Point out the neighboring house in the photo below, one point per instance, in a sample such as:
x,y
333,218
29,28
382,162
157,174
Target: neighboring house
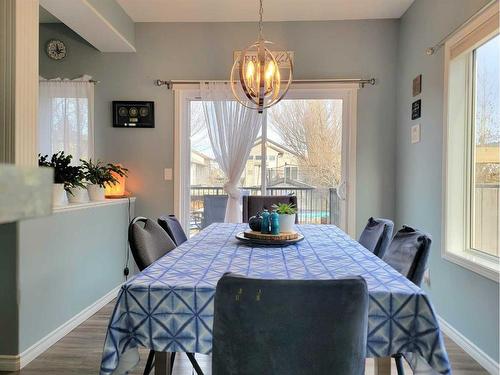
x,y
282,165
204,170
283,168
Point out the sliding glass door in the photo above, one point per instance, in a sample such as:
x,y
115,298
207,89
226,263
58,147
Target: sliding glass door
x,y
305,148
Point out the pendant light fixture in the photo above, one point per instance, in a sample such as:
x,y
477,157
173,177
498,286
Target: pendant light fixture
x,y
258,79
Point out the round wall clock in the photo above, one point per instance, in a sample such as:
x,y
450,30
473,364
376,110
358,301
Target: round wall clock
x,y
56,49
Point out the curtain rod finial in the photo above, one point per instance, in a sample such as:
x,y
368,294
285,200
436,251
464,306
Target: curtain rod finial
x,y
430,51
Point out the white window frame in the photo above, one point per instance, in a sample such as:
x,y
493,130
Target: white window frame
x,y
456,211
183,93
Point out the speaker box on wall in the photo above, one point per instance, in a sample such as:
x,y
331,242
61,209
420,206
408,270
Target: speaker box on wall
x,y
133,114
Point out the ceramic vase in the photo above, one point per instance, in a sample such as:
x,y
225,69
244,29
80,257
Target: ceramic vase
x,y
78,195
287,222
96,193
59,197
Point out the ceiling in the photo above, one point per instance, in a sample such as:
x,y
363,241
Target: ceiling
x,y
274,10
46,17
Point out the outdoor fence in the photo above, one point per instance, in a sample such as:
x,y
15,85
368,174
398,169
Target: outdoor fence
x,y
486,212
315,205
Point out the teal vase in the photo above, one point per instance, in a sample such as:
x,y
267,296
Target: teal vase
x,y
265,223
275,223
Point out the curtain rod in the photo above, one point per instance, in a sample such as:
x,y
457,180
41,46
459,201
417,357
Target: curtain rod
x,y
360,81
95,82
432,50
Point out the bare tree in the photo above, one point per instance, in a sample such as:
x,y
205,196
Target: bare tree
x,y
312,129
487,123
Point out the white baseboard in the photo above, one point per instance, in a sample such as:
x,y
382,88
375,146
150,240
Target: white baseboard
x,y
17,362
469,347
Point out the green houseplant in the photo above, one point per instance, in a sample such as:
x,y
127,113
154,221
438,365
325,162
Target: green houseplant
x,y
77,191
287,213
63,172
98,175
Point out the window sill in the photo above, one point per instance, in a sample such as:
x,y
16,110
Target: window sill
x,y
475,263
84,206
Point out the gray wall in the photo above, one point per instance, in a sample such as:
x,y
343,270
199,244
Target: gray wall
x,y
67,261
204,51
9,340
466,300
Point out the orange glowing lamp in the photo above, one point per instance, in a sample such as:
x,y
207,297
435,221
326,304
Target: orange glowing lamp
x,y
117,190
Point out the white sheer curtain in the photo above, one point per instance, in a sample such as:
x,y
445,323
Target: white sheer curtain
x,y
66,117
232,129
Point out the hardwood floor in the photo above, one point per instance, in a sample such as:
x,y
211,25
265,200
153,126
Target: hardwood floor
x,y
79,353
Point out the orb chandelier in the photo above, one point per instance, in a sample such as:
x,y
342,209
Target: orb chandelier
x,y
258,79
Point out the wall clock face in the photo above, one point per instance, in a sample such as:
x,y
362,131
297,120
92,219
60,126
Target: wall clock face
x,y
56,49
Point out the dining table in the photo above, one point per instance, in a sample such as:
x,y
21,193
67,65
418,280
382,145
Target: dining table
x,y
169,306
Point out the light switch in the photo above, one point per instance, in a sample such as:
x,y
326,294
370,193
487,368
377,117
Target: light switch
x,y
167,174
415,133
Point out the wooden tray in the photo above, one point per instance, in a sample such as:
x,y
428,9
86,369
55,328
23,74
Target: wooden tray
x,y
268,242
271,237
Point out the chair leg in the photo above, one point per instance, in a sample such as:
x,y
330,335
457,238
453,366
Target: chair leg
x,y
172,358
195,364
398,358
149,362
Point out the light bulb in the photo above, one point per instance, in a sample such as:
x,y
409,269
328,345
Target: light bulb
x,y
269,76
250,74
270,70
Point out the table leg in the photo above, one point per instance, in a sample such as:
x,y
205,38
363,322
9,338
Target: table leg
x,y
162,363
382,366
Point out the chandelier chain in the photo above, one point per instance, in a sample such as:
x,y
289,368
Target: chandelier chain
x,y
261,12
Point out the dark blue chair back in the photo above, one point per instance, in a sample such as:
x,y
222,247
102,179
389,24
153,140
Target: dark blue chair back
x,y
214,209
292,327
148,241
377,235
252,204
408,253
173,228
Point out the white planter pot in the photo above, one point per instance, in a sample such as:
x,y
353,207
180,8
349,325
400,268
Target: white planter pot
x,y
59,197
78,195
96,193
286,223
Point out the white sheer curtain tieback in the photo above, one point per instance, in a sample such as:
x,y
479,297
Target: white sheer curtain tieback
x,y
232,130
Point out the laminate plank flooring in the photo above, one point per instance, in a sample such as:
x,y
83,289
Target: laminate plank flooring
x,y
79,353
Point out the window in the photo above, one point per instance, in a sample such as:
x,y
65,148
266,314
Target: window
x,y
291,173
485,149
302,149
66,117
472,149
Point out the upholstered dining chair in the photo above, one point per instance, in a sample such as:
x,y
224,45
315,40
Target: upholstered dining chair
x,y
408,254
173,228
252,204
293,327
149,242
377,235
214,209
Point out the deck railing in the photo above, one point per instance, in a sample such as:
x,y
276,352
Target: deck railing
x,y
315,205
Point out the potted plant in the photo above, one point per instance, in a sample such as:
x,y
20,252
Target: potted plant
x,y
98,175
77,191
62,170
287,213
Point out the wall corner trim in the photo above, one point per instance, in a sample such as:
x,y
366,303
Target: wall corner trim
x,y
17,362
469,347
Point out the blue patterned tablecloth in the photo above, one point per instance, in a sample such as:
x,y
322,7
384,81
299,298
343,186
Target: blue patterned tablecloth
x,y
169,306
